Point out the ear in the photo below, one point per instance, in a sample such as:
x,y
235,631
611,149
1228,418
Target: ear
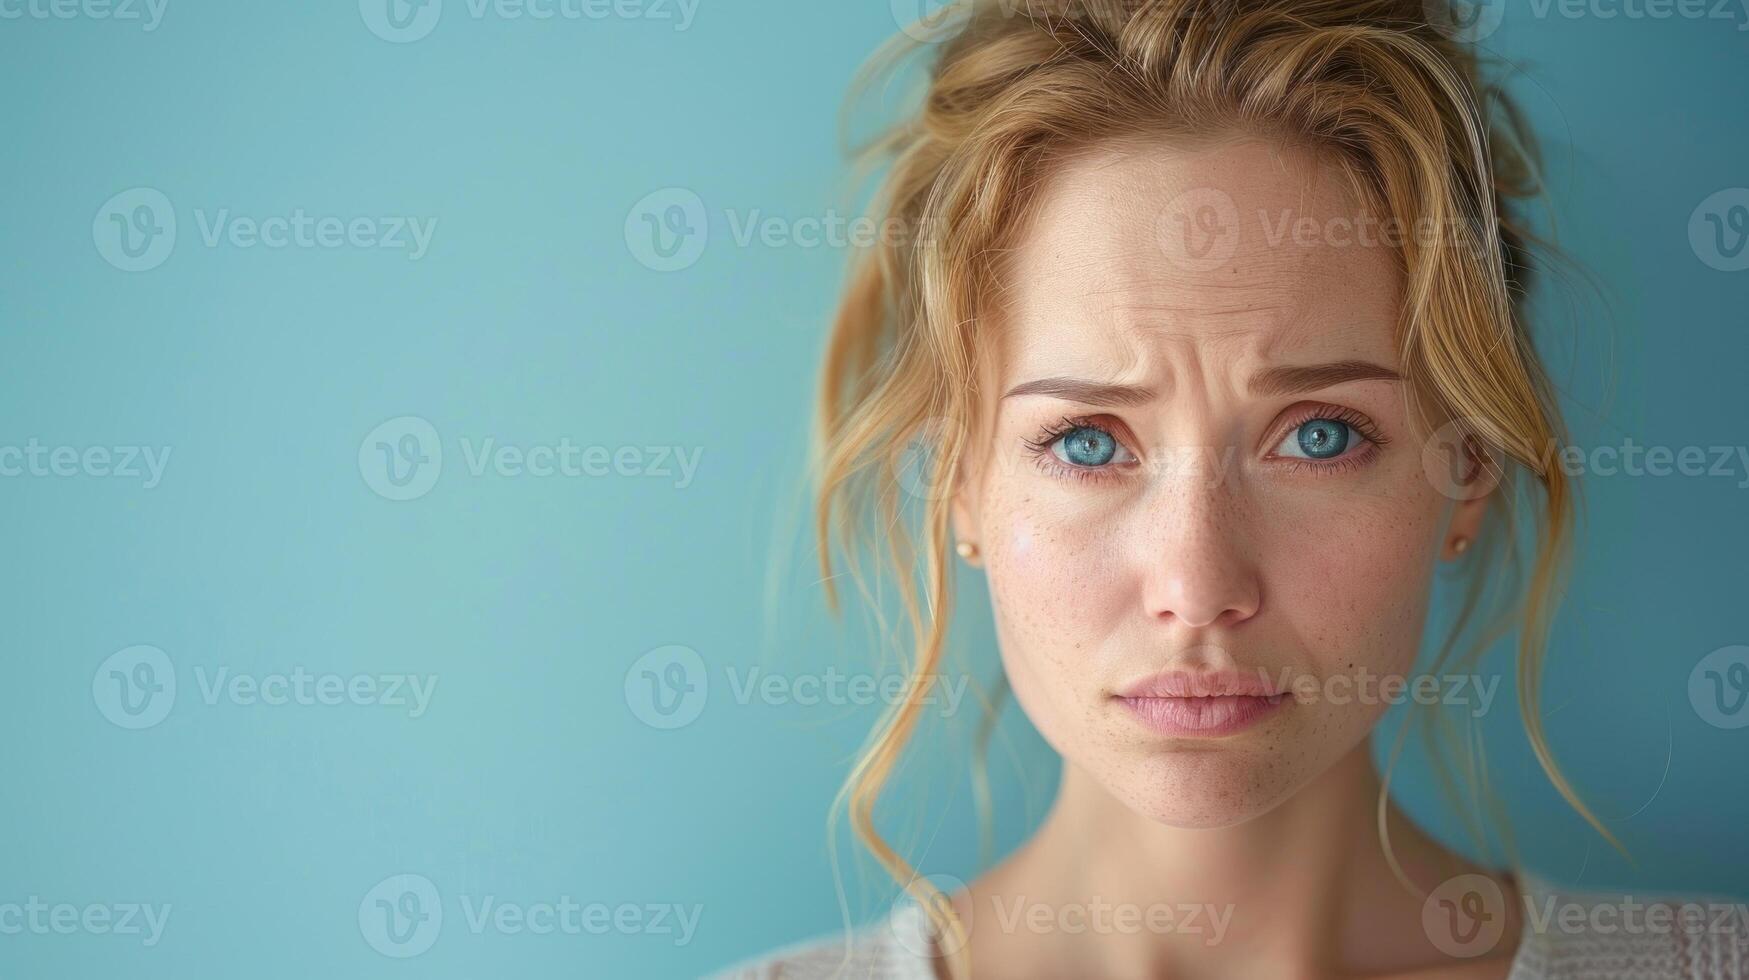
x,y
964,513
1482,472
964,504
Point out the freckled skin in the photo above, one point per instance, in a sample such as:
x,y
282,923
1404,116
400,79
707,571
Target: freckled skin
x,y
1097,582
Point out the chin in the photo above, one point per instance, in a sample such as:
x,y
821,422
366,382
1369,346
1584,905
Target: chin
x,y
1201,788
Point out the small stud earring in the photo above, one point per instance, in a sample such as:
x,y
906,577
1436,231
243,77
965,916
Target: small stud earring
x,y
966,550
1461,545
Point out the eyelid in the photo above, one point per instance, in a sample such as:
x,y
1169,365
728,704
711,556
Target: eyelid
x,y
1110,424
1044,454
1299,415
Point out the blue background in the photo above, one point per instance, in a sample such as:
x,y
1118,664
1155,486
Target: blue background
x,y
534,317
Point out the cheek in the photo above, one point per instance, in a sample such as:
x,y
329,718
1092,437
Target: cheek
x,y
1057,583
1355,581
1057,592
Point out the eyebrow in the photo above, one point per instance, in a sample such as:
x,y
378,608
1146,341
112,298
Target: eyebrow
x,y
1316,377
1273,382
1086,392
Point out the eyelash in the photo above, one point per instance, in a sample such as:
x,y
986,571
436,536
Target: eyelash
x,y
1046,457
1040,446
1375,440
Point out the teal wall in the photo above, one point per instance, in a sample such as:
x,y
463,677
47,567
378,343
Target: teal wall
x,y
261,661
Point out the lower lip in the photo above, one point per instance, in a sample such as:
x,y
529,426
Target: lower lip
x,y
1203,717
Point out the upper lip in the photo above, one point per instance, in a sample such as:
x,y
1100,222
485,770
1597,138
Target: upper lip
x,y
1252,682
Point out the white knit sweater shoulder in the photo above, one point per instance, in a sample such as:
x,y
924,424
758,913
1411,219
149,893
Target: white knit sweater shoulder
x,y
1709,940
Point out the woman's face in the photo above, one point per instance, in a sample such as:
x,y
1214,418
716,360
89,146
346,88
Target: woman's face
x,y
1201,487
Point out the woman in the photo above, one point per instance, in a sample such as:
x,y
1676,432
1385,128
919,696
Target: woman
x,y
1212,315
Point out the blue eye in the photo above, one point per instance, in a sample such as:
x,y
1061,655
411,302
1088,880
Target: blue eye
x,y
1085,446
1319,439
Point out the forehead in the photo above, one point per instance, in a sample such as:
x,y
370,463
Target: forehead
x,y
1141,255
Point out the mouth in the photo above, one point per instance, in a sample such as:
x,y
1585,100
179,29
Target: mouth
x,y
1182,704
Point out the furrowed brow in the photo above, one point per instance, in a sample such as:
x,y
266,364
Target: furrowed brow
x,y
1315,377
1086,392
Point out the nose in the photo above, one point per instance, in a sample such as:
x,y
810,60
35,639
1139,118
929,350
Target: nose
x,y
1196,566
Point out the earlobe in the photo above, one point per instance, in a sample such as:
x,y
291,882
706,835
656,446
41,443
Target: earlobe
x,y
1466,524
1482,472
965,529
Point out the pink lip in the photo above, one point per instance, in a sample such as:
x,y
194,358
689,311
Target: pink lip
x,y
1187,705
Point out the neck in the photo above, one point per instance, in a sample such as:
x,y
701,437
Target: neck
x,y
1299,891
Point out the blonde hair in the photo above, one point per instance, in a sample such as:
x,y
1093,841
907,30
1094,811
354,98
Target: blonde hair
x,y
1021,85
